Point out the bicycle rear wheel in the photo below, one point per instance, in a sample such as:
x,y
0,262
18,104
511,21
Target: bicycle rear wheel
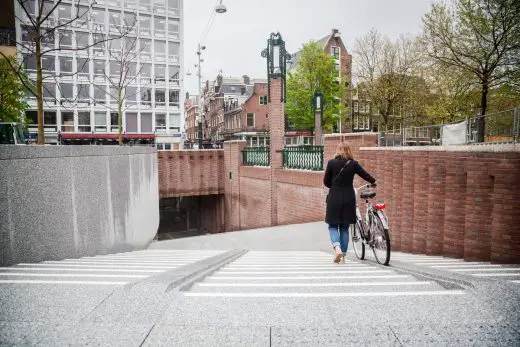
x,y
357,241
380,241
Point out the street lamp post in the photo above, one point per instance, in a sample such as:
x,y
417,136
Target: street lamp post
x,y
277,58
318,114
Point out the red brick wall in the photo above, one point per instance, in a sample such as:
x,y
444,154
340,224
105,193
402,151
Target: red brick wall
x,y
252,105
190,172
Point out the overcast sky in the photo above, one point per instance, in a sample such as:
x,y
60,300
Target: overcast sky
x,y
237,37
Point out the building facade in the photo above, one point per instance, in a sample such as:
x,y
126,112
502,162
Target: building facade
x,y
83,66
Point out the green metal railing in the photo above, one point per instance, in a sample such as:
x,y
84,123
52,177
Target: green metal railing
x,y
256,156
303,158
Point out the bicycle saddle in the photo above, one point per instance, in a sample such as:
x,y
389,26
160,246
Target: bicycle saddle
x,y
368,195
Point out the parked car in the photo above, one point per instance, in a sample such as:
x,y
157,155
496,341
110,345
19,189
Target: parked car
x,y
12,134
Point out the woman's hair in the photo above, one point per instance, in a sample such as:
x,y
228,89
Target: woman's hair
x,y
343,150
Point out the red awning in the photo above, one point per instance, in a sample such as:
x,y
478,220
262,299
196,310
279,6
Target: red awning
x,y
78,136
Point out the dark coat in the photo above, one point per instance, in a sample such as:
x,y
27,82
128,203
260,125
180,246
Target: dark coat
x,y
341,200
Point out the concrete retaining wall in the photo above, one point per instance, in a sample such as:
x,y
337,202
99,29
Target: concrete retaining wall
x,y
61,202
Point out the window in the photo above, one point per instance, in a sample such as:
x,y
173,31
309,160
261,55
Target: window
x,y
160,48
336,67
48,39
146,73
174,74
160,122
131,95
49,91
66,90
49,118
83,93
48,63
98,17
173,28
64,12
334,51
159,26
160,97
65,39
81,40
29,62
99,94
113,94
131,123
173,4
145,46
146,96
114,44
263,100
114,20
84,121
26,37
65,66
32,117
100,121
98,40
159,5
146,123
356,106
173,49
83,67
113,122
160,73
67,122
250,119
175,121
130,45
30,6
144,5
115,68
99,67
144,25
130,20
131,4
174,98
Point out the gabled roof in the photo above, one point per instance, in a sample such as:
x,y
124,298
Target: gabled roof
x,y
321,42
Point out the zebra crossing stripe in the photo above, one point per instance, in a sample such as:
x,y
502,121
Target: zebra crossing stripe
x,y
354,284
60,282
498,275
7,269
219,278
9,274
324,295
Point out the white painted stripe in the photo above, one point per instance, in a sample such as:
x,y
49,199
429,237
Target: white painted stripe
x,y
324,295
515,281
142,258
131,260
74,269
284,263
424,258
69,275
465,266
110,263
60,282
301,272
355,284
498,275
219,278
494,269
444,263
100,266
336,267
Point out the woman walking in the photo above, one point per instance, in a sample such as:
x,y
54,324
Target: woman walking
x,y
341,200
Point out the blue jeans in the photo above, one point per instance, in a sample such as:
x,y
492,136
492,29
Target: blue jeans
x,y
339,236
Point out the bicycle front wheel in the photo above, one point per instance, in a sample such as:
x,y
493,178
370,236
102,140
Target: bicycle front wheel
x,y
357,241
381,241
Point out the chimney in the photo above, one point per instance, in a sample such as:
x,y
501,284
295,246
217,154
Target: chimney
x,y
219,80
187,95
246,79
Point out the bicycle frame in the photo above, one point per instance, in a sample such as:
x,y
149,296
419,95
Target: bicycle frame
x,y
377,209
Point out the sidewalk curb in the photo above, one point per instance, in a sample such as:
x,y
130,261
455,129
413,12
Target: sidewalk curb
x,y
198,270
446,279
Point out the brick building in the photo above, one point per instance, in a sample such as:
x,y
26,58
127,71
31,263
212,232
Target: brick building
x,y
190,121
333,45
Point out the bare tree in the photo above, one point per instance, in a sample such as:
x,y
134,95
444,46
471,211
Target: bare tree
x,y
122,72
385,70
47,27
481,37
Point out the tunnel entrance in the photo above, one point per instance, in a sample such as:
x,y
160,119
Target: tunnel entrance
x,y
189,216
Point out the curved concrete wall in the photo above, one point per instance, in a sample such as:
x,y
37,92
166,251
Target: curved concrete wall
x,y
61,202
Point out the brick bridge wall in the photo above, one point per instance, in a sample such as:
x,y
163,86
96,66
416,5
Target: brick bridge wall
x,y
455,201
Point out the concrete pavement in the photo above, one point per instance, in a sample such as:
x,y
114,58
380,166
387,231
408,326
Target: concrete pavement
x,y
265,287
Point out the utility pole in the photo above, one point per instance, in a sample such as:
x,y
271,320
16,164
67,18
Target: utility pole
x,y
200,104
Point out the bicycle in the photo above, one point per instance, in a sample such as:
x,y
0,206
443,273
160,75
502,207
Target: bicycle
x,y
373,231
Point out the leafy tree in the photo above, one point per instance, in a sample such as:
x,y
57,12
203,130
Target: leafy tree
x,y
315,71
12,90
481,37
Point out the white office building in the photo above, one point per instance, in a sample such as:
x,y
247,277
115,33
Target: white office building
x,y
79,103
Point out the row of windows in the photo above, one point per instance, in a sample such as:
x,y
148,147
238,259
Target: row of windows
x,y
101,67
101,93
100,43
73,7
106,121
